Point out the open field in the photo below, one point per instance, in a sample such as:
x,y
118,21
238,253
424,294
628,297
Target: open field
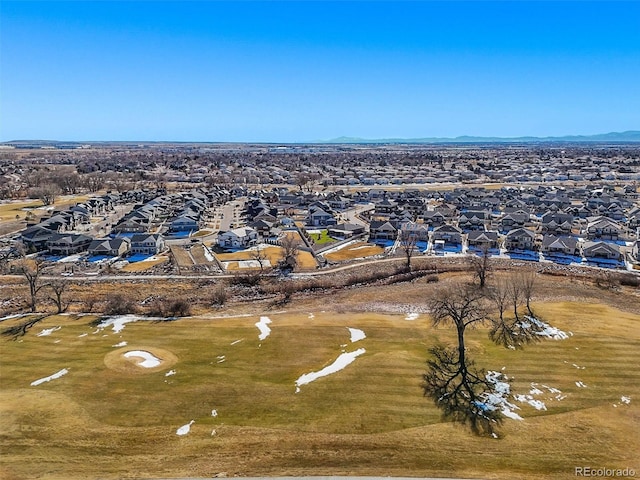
x,y
109,418
144,265
272,253
353,251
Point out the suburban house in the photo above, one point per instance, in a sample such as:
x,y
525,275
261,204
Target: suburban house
x,y
319,218
68,243
480,240
147,244
35,238
557,223
132,225
603,228
601,250
520,239
564,245
345,230
449,234
474,220
185,223
432,218
635,250
419,231
112,247
380,230
514,220
243,237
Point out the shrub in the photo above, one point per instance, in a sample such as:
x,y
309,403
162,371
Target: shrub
x,y
219,295
119,305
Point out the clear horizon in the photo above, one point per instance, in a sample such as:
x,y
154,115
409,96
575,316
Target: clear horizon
x,y
303,71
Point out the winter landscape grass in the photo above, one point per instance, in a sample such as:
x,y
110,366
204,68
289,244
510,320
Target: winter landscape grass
x,y
109,418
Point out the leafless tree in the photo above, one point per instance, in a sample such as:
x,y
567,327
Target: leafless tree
x,y
289,256
457,387
408,242
481,266
32,272
47,193
58,288
260,256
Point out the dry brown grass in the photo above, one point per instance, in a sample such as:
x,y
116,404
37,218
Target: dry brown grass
x,y
272,253
369,419
356,250
144,265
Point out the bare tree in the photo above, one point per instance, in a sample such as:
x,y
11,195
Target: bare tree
x,y
47,193
32,272
408,242
527,280
289,256
463,392
58,288
260,256
481,266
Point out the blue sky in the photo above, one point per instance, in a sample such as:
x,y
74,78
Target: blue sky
x,y
303,70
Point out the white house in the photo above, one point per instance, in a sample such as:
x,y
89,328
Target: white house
x,y
238,238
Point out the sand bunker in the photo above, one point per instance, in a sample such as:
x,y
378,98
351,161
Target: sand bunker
x,y
140,360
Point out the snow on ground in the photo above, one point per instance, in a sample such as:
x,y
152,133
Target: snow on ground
x,y
340,247
15,315
412,316
169,373
253,263
221,358
625,400
119,321
183,430
121,344
59,374
214,413
82,335
148,360
311,316
499,399
48,331
580,385
356,334
236,342
263,327
341,362
547,330
207,254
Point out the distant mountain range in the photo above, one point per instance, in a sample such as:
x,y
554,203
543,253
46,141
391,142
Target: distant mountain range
x,y
631,136
615,137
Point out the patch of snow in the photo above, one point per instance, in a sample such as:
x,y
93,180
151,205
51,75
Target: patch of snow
x,y
48,331
412,316
356,334
214,413
213,432
56,375
15,315
580,385
263,327
221,358
547,330
625,400
311,315
341,362
148,360
537,404
236,342
118,322
579,368
169,373
207,254
494,435
82,335
183,430
498,399
535,391
121,344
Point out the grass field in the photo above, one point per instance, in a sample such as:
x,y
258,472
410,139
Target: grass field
x,y
322,237
353,251
272,253
102,420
